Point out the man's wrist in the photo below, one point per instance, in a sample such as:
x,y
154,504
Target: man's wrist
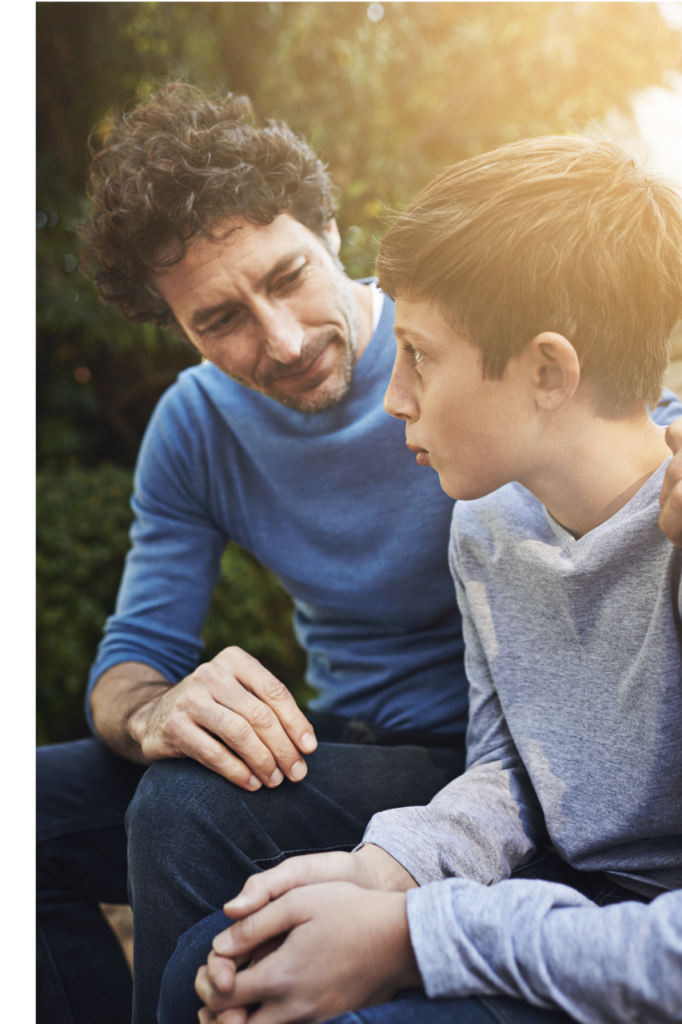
x,y
138,718
117,697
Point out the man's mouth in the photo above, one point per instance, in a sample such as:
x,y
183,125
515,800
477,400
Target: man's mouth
x,y
297,373
423,457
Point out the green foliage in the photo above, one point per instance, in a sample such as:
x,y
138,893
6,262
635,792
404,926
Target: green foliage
x,y
83,521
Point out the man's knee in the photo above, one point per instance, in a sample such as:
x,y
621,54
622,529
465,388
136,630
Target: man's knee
x,y
173,797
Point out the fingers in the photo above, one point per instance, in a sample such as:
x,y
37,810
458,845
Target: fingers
x,y
212,718
262,684
673,435
259,928
237,1015
670,520
260,889
253,730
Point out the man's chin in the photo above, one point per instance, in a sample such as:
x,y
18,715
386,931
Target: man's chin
x,y
326,395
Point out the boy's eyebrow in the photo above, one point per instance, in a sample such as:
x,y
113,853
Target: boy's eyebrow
x,y
407,335
201,316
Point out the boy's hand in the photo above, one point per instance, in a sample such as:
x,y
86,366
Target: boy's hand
x,y
369,868
670,520
345,948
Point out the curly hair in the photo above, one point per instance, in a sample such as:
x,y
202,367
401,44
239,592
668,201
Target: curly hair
x,y
175,167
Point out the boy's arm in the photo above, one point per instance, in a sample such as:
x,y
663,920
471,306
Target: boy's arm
x,y
550,946
488,821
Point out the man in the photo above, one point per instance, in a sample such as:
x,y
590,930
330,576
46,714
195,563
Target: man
x,y
225,231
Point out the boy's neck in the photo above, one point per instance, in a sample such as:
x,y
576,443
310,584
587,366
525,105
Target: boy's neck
x,y
596,467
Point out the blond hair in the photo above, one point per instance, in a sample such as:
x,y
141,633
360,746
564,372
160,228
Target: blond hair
x,y
559,234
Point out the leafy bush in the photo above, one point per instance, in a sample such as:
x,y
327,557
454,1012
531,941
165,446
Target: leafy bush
x,y
83,522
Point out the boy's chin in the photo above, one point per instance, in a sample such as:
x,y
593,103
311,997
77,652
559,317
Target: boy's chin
x,y
466,489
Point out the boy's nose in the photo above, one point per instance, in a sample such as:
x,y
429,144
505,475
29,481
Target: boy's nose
x,y
398,401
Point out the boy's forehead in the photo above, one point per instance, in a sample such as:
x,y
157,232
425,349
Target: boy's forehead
x,y
419,320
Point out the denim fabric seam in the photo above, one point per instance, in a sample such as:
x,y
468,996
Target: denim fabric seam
x,y
495,1011
604,894
304,849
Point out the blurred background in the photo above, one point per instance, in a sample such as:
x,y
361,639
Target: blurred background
x,y
388,94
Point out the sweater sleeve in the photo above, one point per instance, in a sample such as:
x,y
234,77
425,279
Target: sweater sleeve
x,y
552,947
669,408
174,562
488,821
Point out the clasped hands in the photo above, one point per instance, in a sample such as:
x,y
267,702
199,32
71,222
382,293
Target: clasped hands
x,y
321,934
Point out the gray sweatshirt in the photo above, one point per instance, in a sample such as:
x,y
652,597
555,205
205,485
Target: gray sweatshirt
x,y
574,660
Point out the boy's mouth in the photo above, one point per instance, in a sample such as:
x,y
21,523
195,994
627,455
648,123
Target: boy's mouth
x,y
423,457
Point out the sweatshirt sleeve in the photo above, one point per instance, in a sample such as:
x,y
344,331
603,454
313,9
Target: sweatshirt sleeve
x,y
552,947
488,821
174,562
669,408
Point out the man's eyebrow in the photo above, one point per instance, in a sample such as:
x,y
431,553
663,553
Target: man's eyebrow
x,y
201,316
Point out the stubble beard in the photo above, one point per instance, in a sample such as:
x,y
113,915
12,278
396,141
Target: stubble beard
x,y
343,371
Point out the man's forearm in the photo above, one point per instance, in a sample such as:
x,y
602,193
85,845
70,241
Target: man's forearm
x,y
120,701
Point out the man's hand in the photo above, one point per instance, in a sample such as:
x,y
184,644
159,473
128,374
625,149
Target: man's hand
x,y
670,520
345,948
230,714
369,868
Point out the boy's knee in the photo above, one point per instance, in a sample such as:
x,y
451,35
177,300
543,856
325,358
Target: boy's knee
x,y
178,1002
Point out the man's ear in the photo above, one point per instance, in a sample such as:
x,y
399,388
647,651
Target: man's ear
x,y
333,236
556,370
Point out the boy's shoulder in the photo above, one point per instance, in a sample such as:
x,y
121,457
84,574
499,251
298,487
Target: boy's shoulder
x,y
511,510
511,523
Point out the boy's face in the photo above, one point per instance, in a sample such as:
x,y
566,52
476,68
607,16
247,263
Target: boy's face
x,y
472,431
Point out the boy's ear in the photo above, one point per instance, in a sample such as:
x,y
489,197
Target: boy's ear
x,y
556,370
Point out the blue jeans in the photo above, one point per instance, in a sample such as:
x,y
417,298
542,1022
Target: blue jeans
x,y
193,839
178,1003
418,1010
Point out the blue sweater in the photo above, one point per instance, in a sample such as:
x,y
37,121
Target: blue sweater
x,y
333,503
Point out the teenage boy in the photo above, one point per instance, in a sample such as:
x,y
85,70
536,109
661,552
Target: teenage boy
x,y
536,289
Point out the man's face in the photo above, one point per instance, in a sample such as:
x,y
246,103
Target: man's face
x,y
271,307
469,429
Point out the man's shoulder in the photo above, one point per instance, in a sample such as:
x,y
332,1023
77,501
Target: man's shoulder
x,y
199,391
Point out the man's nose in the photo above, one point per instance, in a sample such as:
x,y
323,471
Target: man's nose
x,y
283,336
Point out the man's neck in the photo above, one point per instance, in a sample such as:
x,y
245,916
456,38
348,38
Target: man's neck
x,y
363,298
596,468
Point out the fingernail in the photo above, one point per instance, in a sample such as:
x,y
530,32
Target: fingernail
x,y
253,783
223,943
298,771
276,777
308,742
236,904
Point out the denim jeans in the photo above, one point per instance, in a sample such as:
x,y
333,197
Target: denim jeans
x,y
193,840
418,1010
178,1003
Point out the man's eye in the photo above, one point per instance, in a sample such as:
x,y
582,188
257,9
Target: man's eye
x,y
417,356
289,278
